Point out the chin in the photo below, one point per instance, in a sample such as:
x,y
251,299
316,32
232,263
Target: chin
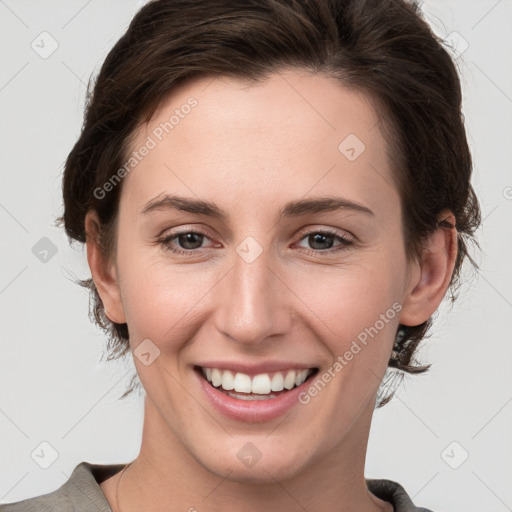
x,y
245,463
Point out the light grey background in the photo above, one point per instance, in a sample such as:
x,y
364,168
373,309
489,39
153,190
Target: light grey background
x,y
55,389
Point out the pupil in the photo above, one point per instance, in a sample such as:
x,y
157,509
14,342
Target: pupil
x,y
187,238
318,237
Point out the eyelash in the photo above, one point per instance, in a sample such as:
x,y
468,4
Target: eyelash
x,y
345,244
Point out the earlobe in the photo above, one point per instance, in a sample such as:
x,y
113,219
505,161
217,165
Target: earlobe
x,y
103,272
432,273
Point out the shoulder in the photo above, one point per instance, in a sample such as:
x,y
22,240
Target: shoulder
x,y
80,492
392,491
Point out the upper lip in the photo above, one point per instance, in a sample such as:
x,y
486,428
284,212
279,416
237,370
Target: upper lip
x,y
255,369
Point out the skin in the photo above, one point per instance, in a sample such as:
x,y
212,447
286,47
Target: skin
x,y
250,149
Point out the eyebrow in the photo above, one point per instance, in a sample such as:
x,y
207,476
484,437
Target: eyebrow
x,y
291,209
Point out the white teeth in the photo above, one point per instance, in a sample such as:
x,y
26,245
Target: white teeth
x,y
301,377
242,383
251,397
228,381
216,377
277,382
289,381
260,384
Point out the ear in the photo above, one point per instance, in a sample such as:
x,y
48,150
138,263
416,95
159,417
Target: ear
x,y
430,276
103,272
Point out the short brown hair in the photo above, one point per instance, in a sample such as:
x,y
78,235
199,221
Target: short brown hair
x,y
382,47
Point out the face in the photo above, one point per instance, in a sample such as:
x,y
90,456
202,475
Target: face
x,y
297,263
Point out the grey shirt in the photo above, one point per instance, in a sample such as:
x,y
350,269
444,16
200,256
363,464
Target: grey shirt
x,y
82,493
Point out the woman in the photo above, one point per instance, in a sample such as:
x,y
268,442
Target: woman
x,y
275,197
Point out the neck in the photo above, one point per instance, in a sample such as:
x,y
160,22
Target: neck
x,y
166,477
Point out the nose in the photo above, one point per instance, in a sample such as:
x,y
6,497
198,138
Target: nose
x,y
255,306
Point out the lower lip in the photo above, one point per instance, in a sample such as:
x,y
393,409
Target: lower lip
x,y
251,411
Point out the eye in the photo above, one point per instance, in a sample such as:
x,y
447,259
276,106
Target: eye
x,y
189,241
322,242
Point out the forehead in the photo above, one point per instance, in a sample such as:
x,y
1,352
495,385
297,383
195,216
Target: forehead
x,y
288,133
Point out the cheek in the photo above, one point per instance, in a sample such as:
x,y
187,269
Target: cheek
x,y
161,299
351,299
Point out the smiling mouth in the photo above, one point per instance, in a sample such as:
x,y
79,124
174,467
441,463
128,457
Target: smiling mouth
x,y
263,386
